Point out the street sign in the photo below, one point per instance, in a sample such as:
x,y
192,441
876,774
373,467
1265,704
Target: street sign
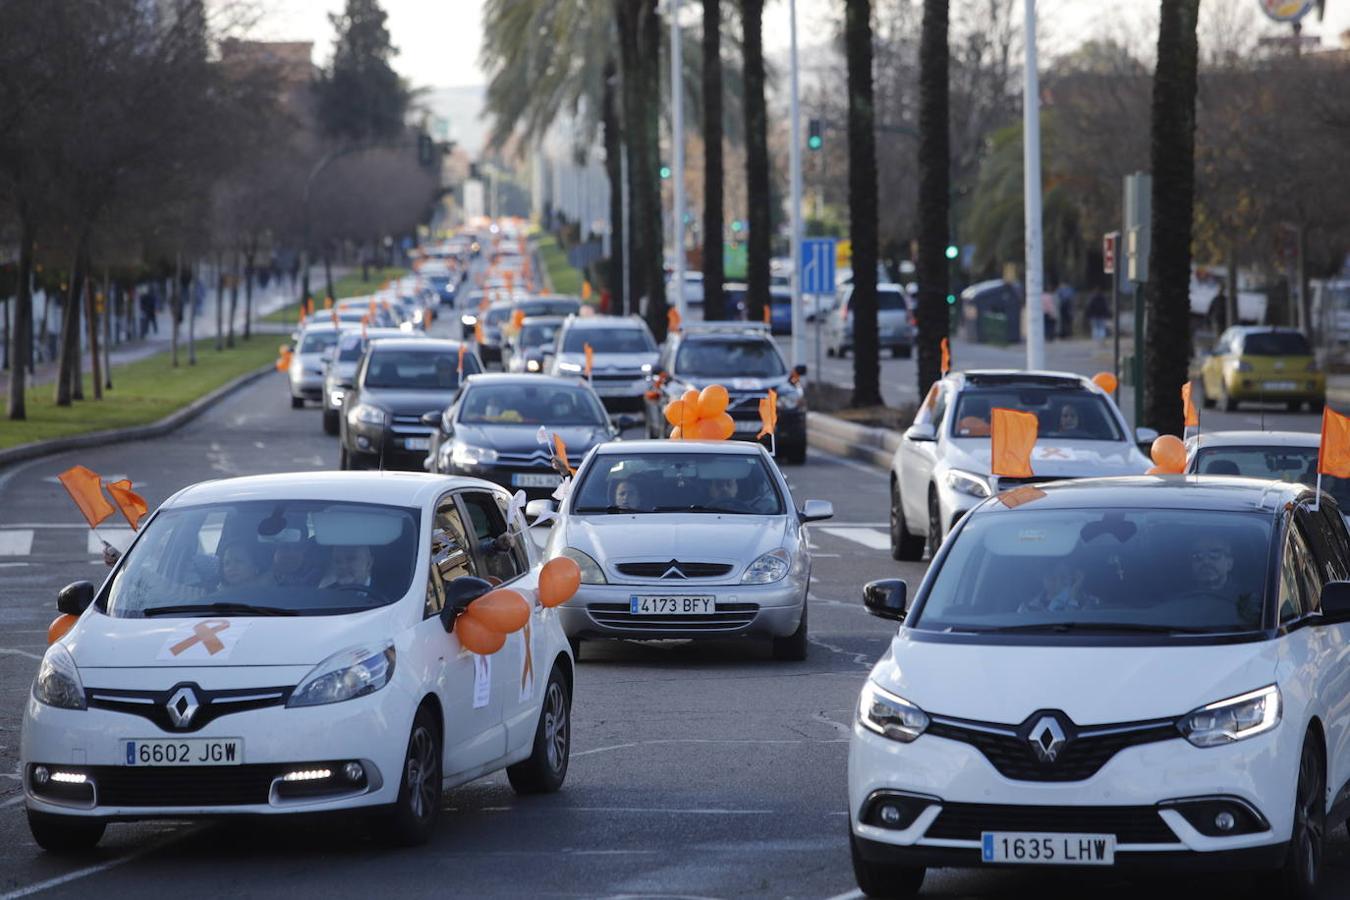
x,y
1110,249
1138,203
817,275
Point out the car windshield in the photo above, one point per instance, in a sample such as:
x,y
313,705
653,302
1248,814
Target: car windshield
x,y
1275,343
351,348
268,557
753,358
609,340
1130,570
318,341
417,369
891,300
1062,415
678,482
522,404
551,307
496,315
538,335
1291,464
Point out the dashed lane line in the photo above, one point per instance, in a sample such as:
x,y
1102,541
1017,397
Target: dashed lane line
x,y
39,886
870,538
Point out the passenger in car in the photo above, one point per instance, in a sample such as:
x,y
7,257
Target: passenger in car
x,y
625,494
351,567
1061,588
238,565
295,564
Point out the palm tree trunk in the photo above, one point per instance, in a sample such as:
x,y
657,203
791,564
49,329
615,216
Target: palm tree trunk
x,y
934,158
1168,331
653,261
21,332
758,199
862,202
713,307
613,138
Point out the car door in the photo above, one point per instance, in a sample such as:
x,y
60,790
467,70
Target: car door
x,y
917,458
1211,370
474,733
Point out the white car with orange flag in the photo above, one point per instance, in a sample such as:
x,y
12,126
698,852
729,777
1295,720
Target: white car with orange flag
x,y
302,643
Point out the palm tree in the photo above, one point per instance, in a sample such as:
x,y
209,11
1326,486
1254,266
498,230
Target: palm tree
x,y
712,161
1167,338
862,202
934,158
758,197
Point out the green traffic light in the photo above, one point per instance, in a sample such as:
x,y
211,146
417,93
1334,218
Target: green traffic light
x,y
814,142
952,252
951,299
737,225
665,171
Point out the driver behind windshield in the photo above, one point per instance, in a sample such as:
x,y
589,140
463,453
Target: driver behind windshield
x,y
626,494
725,493
351,567
1211,565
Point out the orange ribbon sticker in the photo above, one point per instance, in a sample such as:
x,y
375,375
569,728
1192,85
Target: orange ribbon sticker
x,y
203,633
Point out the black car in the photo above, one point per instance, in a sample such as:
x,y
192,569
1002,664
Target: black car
x,y
397,382
501,428
742,357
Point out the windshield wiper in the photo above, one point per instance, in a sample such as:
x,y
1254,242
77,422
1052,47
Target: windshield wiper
x,y
228,609
1093,627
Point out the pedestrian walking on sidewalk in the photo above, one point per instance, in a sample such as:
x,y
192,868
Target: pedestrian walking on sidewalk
x,y
1064,296
1097,315
149,311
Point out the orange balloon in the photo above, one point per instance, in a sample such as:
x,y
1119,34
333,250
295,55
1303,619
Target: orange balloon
x,y
675,412
558,581
690,399
677,433
60,625
1157,470
705,430
712,401
1169,453
724,426
505,611
1106,381
478,638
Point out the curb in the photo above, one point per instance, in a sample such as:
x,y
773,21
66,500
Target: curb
x,y
874,446
172,421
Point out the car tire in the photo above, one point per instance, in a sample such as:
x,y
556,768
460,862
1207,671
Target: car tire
x,y
65,834
419,791
330,421
1298,877
905,547
575,644
884,879
933,541
793,647
297,402
544,771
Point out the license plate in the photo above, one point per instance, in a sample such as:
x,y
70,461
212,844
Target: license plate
x,y
546,479
1280,385
417,443
183,752
648,605
1048,848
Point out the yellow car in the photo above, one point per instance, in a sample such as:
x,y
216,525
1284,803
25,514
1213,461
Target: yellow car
x,y
1263,364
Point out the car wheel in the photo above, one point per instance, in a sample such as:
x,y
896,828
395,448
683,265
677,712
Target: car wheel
x,y
884,879
330,421
905,547
419,792
1299,875
575,644
65,834
546,768
297,402
793,647
934,525
904,352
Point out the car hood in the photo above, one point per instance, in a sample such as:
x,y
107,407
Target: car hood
x,y
100,641
1093,685
525,438
734,386
689,537
605,362
407,402
1062,459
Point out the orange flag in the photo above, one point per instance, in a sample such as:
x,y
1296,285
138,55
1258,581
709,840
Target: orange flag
x,y
517,318
478,333
327,302
560,453
946,356
132,504
585,288
1334,456
768,314
768,414
284,359
461,360
85,488
590,359
1013,435
1190,415
673,319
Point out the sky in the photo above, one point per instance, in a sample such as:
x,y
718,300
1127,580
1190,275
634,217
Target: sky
x,y
439,40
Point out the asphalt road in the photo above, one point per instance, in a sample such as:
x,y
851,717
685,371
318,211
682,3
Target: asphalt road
x,y
702,770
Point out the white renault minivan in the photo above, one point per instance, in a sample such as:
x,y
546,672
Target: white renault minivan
x,y
1146,672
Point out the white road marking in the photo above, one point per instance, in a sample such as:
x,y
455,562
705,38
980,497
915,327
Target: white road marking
x,y
9,651
12,801
860,659
17,542
38,886
653,743
851,895
642,809
13,565
868,537
118,537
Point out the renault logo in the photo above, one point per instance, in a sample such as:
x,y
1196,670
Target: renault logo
x,y
1046,739
182,706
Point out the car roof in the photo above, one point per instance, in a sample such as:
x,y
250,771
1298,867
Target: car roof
x,y
544,320
391,488
727,336
598,322
522,378
666,446
1204,492
1258,439
428,345
1019,378
319,326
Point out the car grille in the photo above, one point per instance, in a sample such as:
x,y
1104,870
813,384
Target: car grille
x,y
153,705
684,569
185,786
1086,750
540,459
728,617
615,376
1130,824
410,424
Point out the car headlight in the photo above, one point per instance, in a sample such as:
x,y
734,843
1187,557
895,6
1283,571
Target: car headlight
x,y
890,715
772,566
790,399
968,483
58,680
591,573
346,675
531,365
370,415
467,455
335,398
470,321
1234,719
570,368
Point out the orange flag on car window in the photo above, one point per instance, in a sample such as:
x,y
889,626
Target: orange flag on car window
x,y
1012,437
946,356
672,319
1190,415
768,414
461,360
590,358
560,453
132,504
85,488
478,333
1334,456
768,314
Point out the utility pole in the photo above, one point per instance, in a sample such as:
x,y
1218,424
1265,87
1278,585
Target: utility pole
x,y
1031,189
795,165
677,139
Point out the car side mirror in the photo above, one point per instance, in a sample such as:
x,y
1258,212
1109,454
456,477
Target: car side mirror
x,y
459,593
431,419
1145,436
1335,602
817,510
75,598
537,508
886,599
921,431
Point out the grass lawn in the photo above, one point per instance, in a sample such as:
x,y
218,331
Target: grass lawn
x,y
144,391
349,285
564,278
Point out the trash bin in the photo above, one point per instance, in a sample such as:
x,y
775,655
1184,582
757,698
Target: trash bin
x,y
992,312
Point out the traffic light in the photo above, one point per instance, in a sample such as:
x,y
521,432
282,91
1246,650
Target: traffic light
x,y
665,172
953,251
813,137
951,299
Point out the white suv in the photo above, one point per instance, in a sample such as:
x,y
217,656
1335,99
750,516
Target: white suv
x,y
941,468
1128,672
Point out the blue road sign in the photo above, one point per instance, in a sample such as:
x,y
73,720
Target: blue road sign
x,y
817,275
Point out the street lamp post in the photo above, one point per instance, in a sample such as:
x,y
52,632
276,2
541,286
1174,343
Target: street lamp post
x,y
1031,179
